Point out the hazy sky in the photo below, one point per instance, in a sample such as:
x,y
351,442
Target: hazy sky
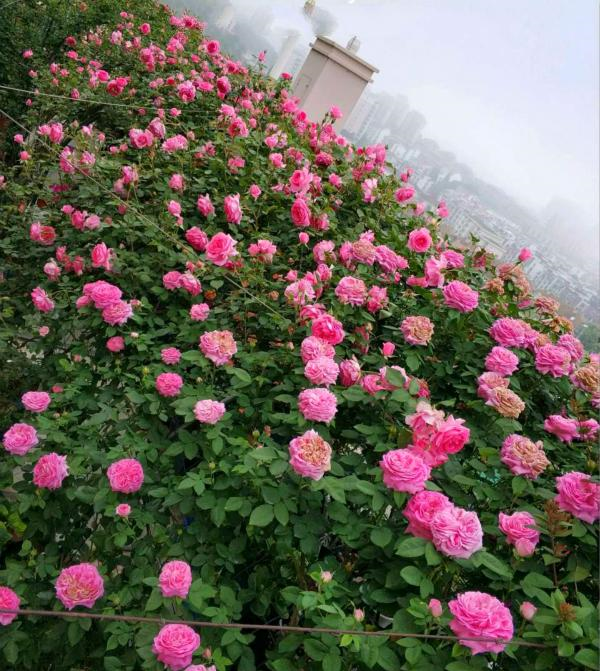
x,y
510,86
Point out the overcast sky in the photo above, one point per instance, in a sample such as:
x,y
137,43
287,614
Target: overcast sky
x,y
510,86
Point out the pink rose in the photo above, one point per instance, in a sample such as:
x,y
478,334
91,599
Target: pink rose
x,y
204,205
477,614
435,607
36,401
310,455
19,439
218,346
264,250
233,211
573,346
103,294
417,330
553,360
351,291
79,585
175,579
460,296
420,509
170,355
510,332
322,370
523,456
169,384
117,313
502,361
527,610
174,645
456,532
300,213
41,300
404,193
8,601
520,531
328,329
220,249
579,495
115,344
350,372
564,428
209,412
318,405
101,256
419,240
197,238
174,208
451,436
50,470
123,510
199,312
125,476
525,254
254,191
388,349
404,471
303,238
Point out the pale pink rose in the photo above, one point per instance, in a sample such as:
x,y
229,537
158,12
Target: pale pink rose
x,y
125,476
510,332
41,300
351,290
328,329
364,251
417,330
197,238
8,601
388,349
310,455
264,250
523,456
456,532
199,312
170,355
480,615
52,270
218,346
315,348
326,576
350,372
404,193
460,296
123,510
433,272
300,292
50,470
79,585
573,346
420,509
318,405
174,645
115,344
324,252
300,213
322,371
175,143
36,401
175,579
419,240
564,428
404,471
19,439
103,294
358,614
435,607
525,254
169,384
527,610
233,211
117,313
220,249
579,495
44,331
520,531
209,412
553,360
502,361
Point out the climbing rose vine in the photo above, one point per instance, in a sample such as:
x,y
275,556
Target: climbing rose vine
x,y
260,384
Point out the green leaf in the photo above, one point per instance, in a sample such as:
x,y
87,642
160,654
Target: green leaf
x,y
262,515
411,547
588,658
493,563
241,375
332,662
381,536
411,575
281,513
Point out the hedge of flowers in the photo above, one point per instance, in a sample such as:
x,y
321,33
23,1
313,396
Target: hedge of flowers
x,y
264,386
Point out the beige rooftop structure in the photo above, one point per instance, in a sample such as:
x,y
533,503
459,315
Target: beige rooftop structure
x,y
331,75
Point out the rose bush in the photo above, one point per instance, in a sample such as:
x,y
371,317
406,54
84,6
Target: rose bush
x,y
262,386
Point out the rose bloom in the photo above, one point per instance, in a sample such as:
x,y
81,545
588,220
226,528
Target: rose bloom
x,y
523,456
79,585
573,346
125,475
310,455
218,346
170,355
527,610
435,607
350,372
8,601
19,439
318,404
220,249
460,296
450,437
300,213
578,495
420,509
41,300
103,294
510,332
123,510
209,412
487,382
117,313
502,361
404,471
36,401
587,378
315,348
50,470
328,329
233,211
388,349
322,371
199,312
169,384
419,240
115,344
174,645
520,531
351,290
456,532
197,238
205,206
477,614
553,360
506,402
564,428
175,579
417,330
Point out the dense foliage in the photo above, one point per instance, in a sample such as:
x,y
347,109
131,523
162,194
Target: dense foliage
x,y
253,354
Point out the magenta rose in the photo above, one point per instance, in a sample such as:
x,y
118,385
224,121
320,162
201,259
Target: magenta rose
x,y
315,348
480,615
125,475
552,359
220,249
328,329
170,355
579,495
300,213
79,585
460,296
419,240
50,470
8,601
169,384
351,291
233,211
564,428
19,439
115,344
404,471
456,532
36,401
420,509
502,361
174,645
175,579
350,372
